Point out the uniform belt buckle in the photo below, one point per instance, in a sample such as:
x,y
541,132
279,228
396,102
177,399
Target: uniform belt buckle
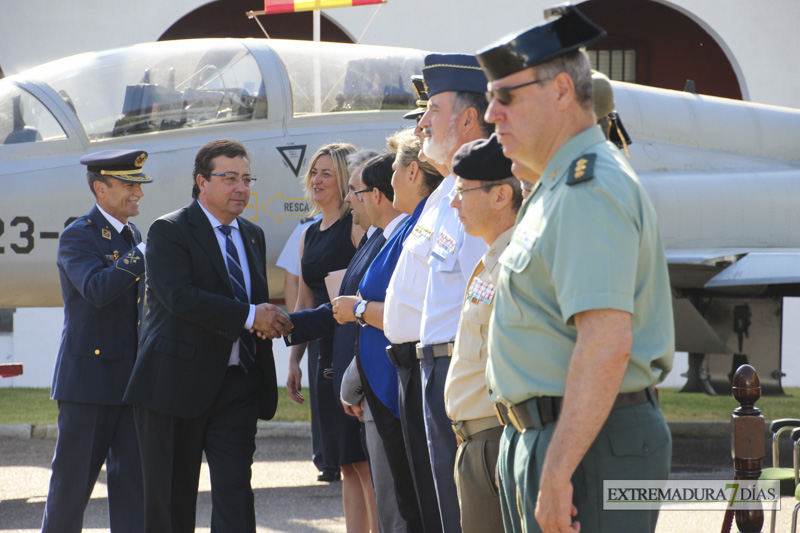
x,y
502,414
458,429
420,349
519,417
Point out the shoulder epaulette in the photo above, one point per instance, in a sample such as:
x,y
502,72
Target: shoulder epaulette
x,y
582,169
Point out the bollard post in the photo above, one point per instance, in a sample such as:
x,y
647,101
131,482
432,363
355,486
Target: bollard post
x,y
747,441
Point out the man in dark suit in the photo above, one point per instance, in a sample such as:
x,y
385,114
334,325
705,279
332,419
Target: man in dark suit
x,y
101,266
203,378
370,198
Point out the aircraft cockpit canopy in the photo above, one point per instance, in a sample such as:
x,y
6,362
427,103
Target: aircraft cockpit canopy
x,y
339,78
153,87
172,85
23,118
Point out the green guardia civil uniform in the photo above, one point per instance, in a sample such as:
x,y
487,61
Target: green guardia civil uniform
x,y
587,238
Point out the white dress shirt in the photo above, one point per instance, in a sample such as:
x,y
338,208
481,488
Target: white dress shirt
x,y
402,311
236,236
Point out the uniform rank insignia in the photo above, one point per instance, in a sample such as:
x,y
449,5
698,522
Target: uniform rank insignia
x,y
480,292
582,169
523,237
106,234
116,255
445,244
130,258
421,232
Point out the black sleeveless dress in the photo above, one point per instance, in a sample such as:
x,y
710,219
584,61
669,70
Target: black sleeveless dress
x,y
323,252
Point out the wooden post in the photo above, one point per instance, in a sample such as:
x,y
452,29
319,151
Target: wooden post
x,y
747,443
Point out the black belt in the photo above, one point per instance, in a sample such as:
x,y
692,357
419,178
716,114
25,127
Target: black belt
x,y
403,355
522,415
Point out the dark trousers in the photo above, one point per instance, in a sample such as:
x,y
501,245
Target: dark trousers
x,y
441,441
172,452
413,425
312,352
634,443
391,432
88,436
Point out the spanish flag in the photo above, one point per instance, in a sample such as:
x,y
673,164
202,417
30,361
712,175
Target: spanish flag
x,y
272,7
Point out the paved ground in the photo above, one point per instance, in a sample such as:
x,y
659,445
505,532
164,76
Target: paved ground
x,y
288,498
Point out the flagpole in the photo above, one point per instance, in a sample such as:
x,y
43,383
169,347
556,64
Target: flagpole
x,y
317,81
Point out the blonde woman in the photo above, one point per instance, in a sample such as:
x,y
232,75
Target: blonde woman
x,y
329,245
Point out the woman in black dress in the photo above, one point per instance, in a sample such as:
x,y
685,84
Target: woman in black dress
x,y
329,245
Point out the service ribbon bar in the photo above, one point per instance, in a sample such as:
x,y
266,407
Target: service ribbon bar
x,y
272,7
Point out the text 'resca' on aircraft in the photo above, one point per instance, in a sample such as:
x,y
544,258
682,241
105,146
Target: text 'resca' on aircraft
x,y
724,175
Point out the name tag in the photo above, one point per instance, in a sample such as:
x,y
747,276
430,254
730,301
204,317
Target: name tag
x,y
444,248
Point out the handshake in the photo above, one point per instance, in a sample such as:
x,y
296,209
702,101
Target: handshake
x,y
271,322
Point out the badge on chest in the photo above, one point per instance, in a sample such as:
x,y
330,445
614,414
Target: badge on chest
x,y
444,248
480,291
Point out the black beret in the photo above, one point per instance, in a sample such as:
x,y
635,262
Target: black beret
x,y
453,72
571,31
125,165
422,97
482,160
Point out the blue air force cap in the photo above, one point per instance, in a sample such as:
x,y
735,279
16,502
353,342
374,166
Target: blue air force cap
x,y
422,97
453,72
125,165
569,32
482,160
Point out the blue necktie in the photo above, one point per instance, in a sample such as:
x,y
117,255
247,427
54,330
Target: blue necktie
x,y
247,347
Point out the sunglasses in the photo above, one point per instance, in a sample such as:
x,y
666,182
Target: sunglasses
x,y
503,94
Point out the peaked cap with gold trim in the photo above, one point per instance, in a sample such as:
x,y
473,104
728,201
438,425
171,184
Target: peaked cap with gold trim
x,y
453,72
422,97
125,165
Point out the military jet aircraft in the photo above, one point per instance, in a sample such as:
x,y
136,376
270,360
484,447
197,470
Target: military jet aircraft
x,y
282,99
723,175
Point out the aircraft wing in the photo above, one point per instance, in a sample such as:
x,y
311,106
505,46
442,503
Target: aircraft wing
x,y
761,268
733,267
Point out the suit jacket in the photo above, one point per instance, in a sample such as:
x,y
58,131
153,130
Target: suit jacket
x,y
102,287
193,318
319,323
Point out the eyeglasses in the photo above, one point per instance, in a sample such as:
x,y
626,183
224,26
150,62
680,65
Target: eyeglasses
x,y
460,192
232,178
503,94
360,194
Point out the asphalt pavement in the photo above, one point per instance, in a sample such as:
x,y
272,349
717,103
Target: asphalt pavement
x,y
288,497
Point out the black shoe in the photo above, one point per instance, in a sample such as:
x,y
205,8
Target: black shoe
x,y
330,475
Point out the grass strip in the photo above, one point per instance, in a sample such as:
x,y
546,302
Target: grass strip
x,y
33,406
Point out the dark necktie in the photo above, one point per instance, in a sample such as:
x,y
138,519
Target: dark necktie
x,y
127,234
362,242
247,347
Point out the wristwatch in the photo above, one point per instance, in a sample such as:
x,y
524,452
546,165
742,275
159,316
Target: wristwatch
x,y
358,311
